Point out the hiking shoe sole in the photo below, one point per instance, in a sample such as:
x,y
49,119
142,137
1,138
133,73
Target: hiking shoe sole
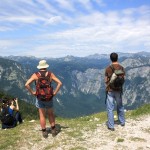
x,y
45,134
54,132
122,125
111,129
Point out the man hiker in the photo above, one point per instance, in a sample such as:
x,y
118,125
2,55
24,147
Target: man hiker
x,y
44,100
114,79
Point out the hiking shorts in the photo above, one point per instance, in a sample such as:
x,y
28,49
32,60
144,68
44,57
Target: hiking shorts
x,y
43,104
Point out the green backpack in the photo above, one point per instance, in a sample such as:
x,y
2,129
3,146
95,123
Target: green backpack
x,y
117,78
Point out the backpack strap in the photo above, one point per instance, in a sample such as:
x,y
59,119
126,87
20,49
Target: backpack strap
x,y
49,74
112,68
42,74
38,74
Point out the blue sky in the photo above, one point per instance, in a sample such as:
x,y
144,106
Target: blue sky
x,y
56,28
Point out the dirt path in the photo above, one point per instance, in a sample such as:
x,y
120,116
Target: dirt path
x,y
135,135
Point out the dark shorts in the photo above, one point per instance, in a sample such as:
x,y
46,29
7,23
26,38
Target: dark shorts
x,y
43,104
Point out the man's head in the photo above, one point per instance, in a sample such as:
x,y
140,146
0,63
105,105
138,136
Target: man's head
x,y
114,57
42,64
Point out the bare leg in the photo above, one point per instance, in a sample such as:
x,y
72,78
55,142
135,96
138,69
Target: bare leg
x,y
51,117
42,114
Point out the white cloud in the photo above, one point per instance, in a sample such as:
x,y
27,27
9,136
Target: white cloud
x,y
65,4
7,43
86,4
54,20
81,34
4,28
47,7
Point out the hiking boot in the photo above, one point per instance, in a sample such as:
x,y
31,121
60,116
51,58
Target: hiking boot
x,y
111,129
45,134
122,125
54,132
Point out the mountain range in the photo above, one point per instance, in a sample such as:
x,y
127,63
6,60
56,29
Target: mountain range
x,y
83,90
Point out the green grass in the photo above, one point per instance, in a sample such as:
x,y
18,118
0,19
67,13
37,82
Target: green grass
x,y
147,130
71,128
143,110
11,137
78,148
120,140
8,138
137,139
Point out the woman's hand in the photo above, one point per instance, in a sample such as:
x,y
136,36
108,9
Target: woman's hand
x,y
16,100
54,93
34,93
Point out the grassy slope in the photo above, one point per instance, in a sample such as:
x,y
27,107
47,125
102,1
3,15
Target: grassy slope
x,y
11,138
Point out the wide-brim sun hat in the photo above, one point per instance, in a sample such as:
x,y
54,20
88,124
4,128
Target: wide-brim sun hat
x,y
42,64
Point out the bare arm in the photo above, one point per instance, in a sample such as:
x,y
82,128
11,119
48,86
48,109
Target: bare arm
x,y
59,84
17,106
27,85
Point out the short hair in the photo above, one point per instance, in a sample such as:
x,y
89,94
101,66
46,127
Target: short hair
x,y
114,57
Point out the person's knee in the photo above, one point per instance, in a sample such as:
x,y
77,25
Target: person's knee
x,y
50,112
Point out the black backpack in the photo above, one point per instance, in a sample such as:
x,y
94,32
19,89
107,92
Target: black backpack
x,y
117,78
7,118
44,90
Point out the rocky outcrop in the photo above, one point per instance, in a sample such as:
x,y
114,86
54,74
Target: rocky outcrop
x,y
88,82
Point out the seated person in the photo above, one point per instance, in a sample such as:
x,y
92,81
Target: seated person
x,y
9,119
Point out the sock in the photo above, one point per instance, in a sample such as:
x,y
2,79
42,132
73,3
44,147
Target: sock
x,y
43,130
